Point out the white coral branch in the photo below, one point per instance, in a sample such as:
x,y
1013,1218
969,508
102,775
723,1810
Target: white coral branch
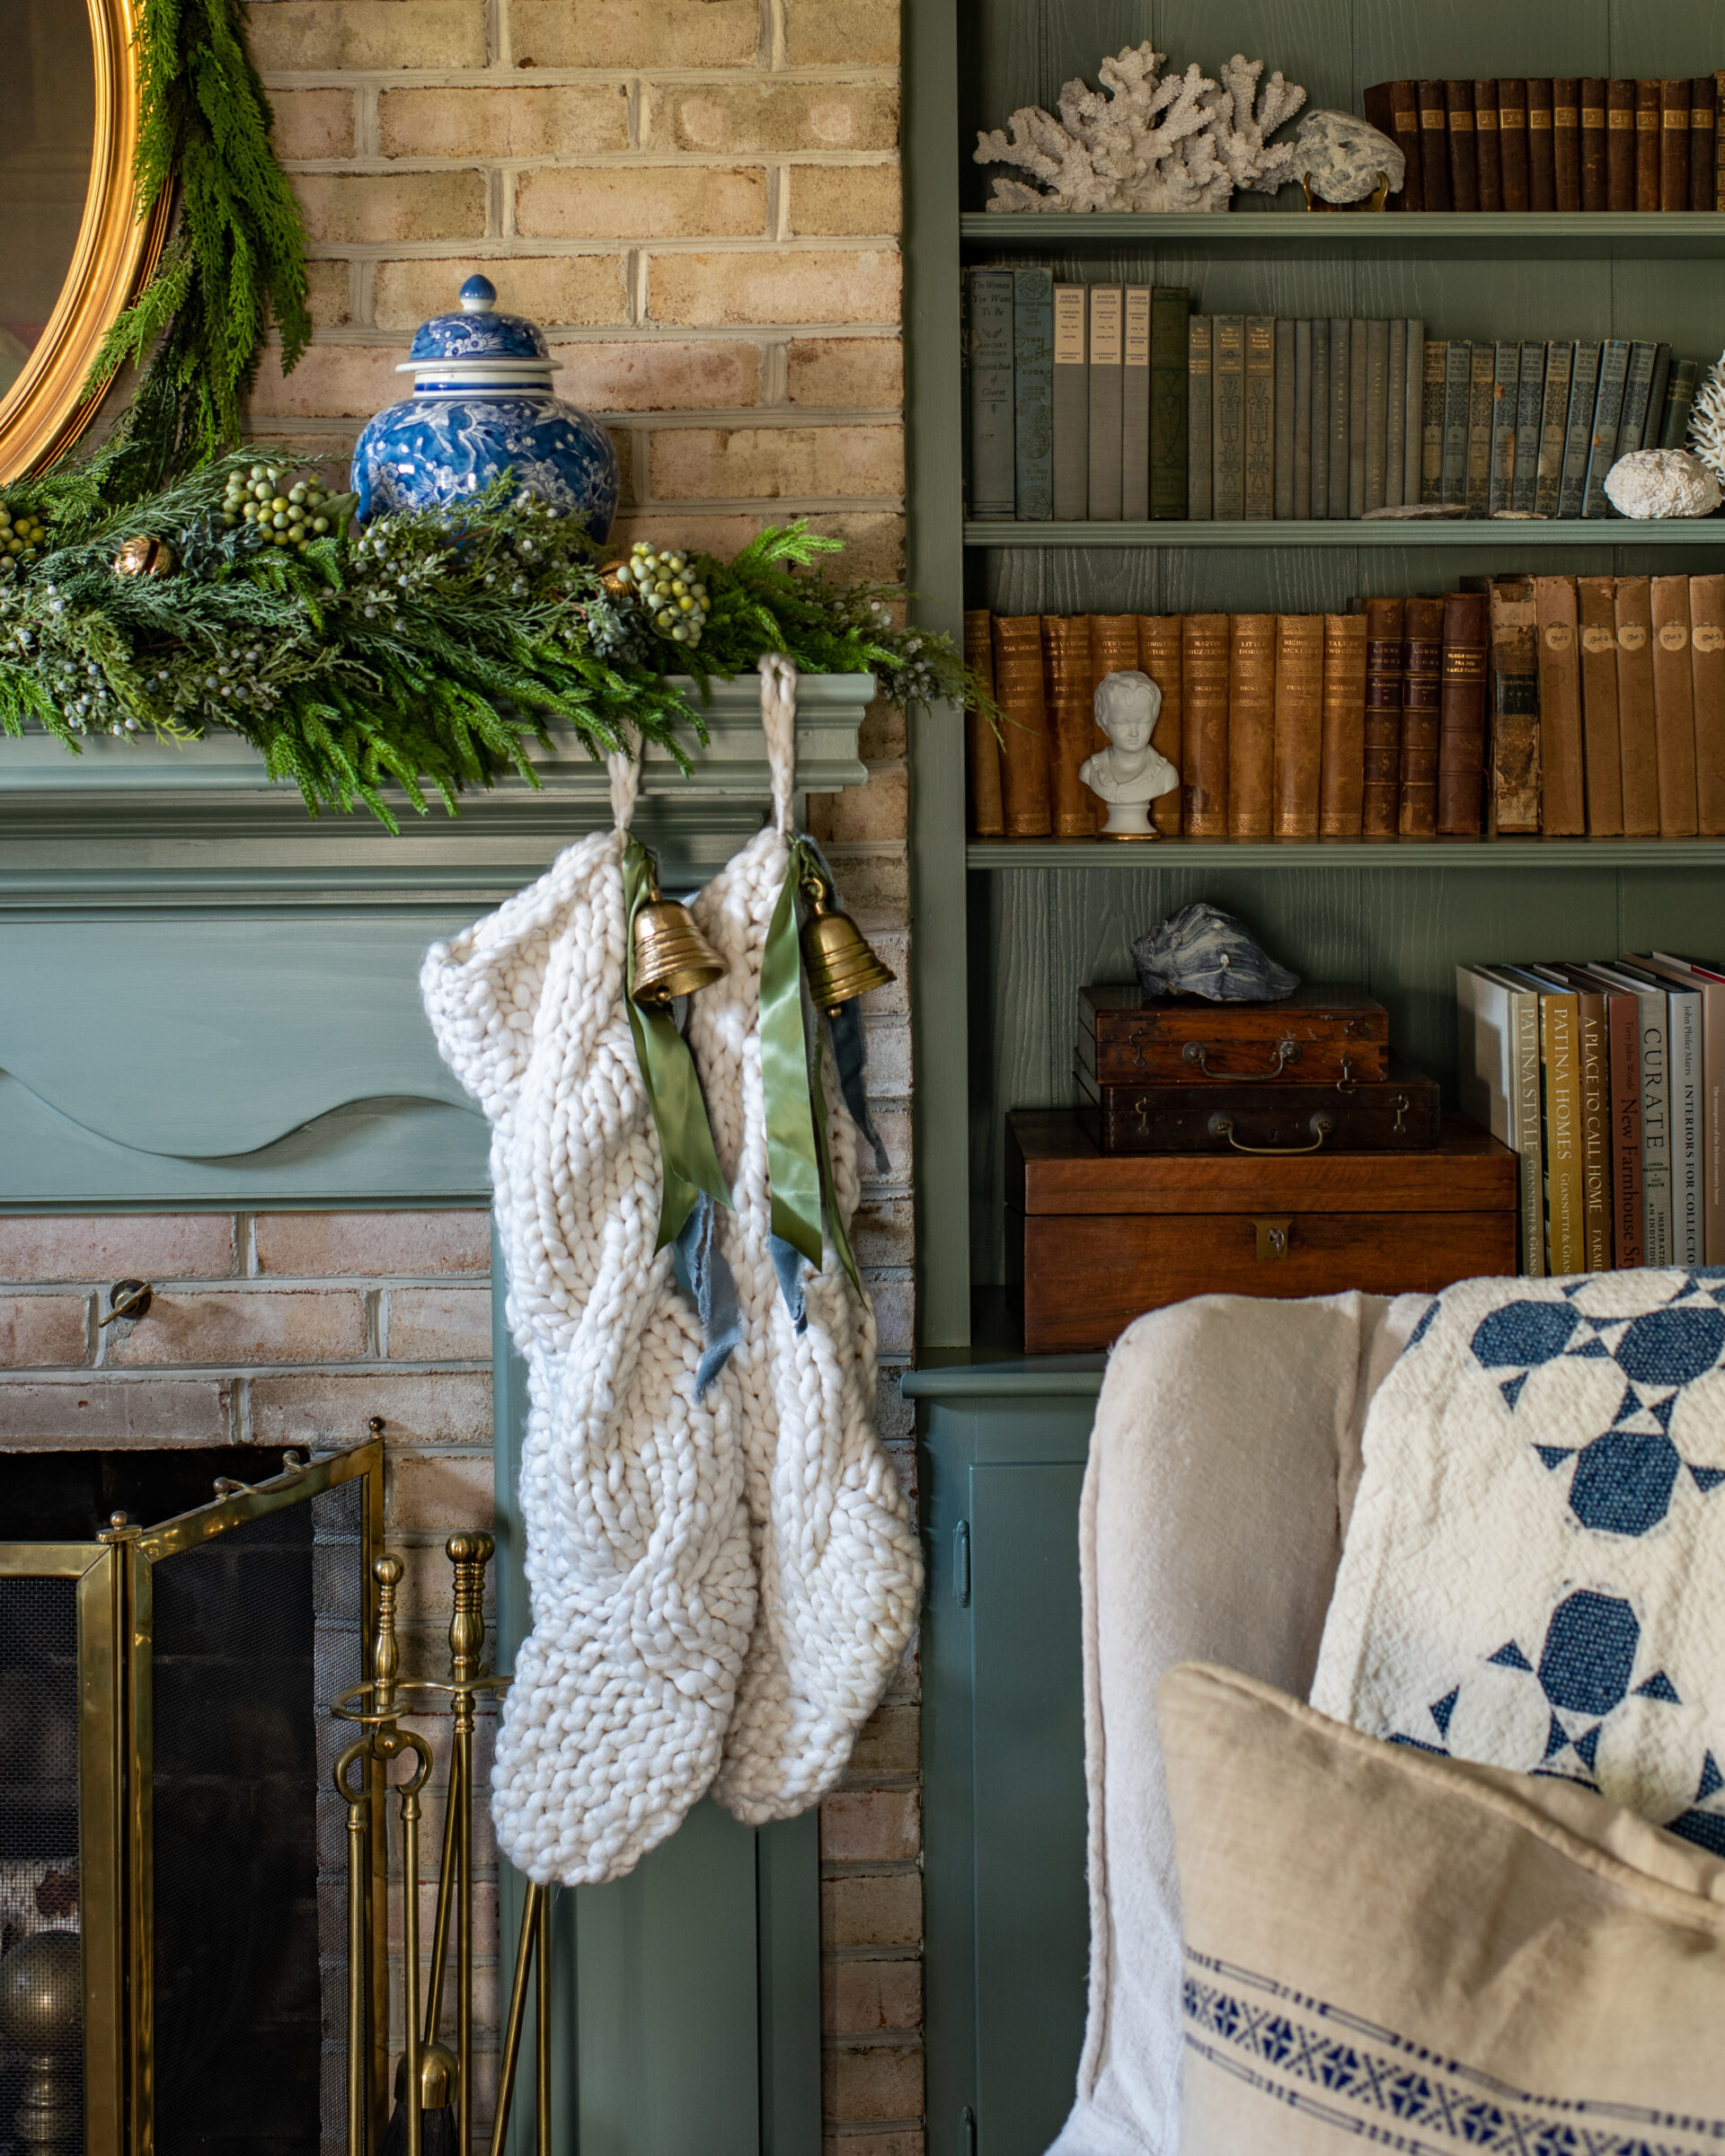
x,y
1707,420
1244,121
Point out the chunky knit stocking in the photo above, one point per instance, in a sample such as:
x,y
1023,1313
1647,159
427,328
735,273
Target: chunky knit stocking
x,y
632,1490
840,1573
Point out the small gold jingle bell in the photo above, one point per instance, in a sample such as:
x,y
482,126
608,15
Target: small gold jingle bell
x,y
672,957
835,955
145,556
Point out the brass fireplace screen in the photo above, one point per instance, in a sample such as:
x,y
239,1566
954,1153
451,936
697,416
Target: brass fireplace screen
x,y
164,1736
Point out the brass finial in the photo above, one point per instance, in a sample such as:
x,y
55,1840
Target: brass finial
x,y
386,1664
469,1554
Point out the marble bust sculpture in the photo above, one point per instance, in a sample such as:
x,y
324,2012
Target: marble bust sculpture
x,y
1129,774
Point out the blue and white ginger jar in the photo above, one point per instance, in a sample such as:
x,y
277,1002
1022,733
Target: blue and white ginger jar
x,y
482,405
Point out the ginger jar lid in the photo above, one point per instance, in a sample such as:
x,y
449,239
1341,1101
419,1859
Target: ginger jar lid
x,y
478,348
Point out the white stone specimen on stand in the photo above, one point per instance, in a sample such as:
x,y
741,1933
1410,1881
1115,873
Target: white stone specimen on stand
x,y
1342,157
1146,141
1662,483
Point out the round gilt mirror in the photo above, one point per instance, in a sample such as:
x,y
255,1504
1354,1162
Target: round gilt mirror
x,y
73,253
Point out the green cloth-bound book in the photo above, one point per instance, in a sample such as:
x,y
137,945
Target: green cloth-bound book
x,y
1169,358
1034,392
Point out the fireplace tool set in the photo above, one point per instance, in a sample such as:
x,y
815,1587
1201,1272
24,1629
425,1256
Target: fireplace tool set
x,y
434,2085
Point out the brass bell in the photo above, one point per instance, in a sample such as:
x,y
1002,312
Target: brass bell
x,y
835,955
672,957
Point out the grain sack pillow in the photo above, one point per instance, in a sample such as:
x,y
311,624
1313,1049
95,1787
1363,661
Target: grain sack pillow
x,y
1387,1948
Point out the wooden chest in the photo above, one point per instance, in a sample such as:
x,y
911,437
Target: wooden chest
x,y
1093,1239
1367,1115
1315,1037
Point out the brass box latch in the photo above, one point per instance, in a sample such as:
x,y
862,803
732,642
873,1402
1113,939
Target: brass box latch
x,y
1273,1237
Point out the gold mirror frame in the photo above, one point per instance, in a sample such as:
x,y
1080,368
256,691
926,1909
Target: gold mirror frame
x,y
41,414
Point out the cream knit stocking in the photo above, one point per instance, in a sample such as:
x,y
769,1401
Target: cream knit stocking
x,y
839,1568
631,1491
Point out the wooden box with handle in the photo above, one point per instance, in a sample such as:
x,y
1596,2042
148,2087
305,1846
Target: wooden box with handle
x,y
1317,1036
1093,1239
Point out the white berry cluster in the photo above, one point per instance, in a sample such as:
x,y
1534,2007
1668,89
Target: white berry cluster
x,y
668,591
284,517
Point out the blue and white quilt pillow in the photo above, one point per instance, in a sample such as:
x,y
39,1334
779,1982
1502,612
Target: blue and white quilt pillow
x,y
1534,1574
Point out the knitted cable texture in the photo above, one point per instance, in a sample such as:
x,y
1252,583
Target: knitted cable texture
x,y
638,1554
839,1568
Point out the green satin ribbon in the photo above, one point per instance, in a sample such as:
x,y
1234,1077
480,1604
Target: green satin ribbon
x,y
799,1173
668,1072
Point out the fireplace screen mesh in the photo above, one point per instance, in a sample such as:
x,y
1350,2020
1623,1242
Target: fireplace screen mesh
x,y
41,2053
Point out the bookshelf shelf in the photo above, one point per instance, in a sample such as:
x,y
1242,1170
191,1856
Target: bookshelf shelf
x,y
1296,856
1450,235
1421,532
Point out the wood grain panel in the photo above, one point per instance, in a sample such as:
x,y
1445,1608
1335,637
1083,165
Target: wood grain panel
x,y
1663,37
1480,37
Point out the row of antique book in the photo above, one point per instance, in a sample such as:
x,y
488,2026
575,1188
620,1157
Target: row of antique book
x,y
1607,1081
1568,142
1109,403
1566,706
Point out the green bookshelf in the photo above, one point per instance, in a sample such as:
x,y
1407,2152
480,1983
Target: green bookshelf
x,y
1401,535
1295,234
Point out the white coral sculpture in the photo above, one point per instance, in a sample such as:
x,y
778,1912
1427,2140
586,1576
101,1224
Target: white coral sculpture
x,y
1707,420
1146,141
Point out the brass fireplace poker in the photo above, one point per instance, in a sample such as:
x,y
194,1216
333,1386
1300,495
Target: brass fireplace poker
x,y
432,2083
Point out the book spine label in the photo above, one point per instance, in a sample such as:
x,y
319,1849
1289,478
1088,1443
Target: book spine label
x,y
1252,723
1413,437
1593,142
1302,423
1486,146
1512,797
1204,668
1434,145
1525,1124
1633,606
1512,140
1378,415
1703,120
1067,693
1034,394
1554,428
991,393
1107,356
1620,145
1159,643
1563,809
1320,418
1479,412
1530,392
1688,1221
1674,706
1461,738
1457,384
1299,724
981,745
1071,406
1597,632
1170,350
1343,777
1024,741
1673,145
1566,143
1593,1076
1566,1246
1542,171
1340,391
1135,408
1200,501
1707,665
1228,396
1506,385
1282,431
1648,132
1464,157
1258,420
1422,657
1433,406
1628,1202
1404,132
1381,799
1578,439
1608,414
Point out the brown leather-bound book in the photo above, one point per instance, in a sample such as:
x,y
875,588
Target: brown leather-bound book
x,y
1512,140
1486,147
1566,141
1252,723
982,747
1114,650
1597,632
1380,801
1461,732
1620,145
1299,723
1674,706
1632,605
1719,138
1593,142
1563,812
1159,637
1707,657
1434,145
1512,673
1647,145
1542,176
1342,750
1673,145
1204,765
1401,102
1422,663
1464,154
1068,697
1702,123
1024,743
